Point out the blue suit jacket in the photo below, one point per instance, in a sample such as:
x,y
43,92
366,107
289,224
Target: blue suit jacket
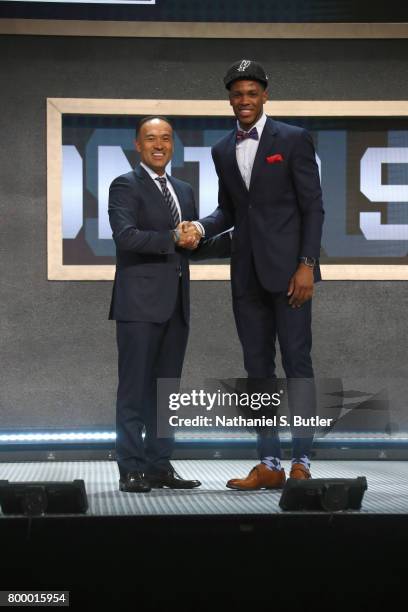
x,y
280,217
148,263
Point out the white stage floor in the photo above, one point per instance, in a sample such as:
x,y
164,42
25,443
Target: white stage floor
x,y
387,486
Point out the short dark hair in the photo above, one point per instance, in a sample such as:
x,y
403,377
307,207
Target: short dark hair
x,y
150,118
262,83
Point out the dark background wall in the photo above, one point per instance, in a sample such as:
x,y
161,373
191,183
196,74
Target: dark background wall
x,y
58,353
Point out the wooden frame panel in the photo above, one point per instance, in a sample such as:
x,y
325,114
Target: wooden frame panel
x,y
185,29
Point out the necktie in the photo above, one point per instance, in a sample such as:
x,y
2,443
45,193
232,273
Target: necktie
x,y
169,200
241,135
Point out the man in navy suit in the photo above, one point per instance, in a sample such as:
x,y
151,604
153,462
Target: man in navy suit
x,y
150,303
269,190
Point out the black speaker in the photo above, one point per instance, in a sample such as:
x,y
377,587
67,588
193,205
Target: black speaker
x,y
39,498
328,494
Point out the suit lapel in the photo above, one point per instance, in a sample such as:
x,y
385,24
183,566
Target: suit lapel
x,y
231,161
265,147
154,193
147,182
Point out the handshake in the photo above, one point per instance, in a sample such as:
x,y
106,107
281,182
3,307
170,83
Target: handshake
x,y
187,235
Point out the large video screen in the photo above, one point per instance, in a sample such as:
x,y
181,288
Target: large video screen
x,y
363,164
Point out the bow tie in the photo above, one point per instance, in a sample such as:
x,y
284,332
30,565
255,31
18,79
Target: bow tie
x,y
241,135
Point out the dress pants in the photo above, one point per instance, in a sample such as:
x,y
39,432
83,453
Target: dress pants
x,y
147,351
261,317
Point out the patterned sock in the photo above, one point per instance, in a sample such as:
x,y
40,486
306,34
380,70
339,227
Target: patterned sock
x,y
272,463
304,460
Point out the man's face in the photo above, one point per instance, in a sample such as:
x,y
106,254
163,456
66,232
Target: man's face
x,y
247,99
155,144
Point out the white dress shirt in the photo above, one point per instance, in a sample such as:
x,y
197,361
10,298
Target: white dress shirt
x,y
154,176
246,150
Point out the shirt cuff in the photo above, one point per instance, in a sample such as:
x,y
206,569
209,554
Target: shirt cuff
x,y
200,228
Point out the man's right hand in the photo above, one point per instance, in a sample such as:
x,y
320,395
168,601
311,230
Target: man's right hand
x,y
190,235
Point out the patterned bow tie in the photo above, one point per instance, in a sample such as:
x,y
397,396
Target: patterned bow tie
x,y
241,135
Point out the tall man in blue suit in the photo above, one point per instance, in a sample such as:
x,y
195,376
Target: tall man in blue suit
x,y
269,190
150,303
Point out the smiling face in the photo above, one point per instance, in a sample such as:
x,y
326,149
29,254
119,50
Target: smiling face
x,y
247,99
155,144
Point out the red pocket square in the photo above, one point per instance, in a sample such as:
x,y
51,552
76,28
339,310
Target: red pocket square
x,y
272,159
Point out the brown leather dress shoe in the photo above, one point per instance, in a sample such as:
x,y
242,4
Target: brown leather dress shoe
x,y
260,477
299,472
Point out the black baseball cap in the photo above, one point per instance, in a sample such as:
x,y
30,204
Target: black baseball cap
x,y
246,70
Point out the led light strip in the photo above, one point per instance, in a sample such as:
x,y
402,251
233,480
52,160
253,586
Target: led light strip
x,y
72,437
388,440
59,437
328,439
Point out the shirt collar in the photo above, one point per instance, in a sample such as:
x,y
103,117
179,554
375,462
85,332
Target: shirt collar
x,y
152,173
259,125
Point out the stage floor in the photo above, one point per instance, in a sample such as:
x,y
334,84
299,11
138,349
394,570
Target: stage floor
x,y
387,487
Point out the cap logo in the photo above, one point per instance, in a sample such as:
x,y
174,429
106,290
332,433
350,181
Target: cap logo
x,y
243,65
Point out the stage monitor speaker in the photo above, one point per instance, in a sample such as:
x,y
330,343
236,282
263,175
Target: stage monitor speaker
x,y
327,494
39,498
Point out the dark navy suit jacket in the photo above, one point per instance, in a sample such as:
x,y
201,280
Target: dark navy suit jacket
x,y
280,217
148,263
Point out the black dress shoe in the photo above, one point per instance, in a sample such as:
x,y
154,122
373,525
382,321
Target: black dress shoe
x,y
170,478
134,482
